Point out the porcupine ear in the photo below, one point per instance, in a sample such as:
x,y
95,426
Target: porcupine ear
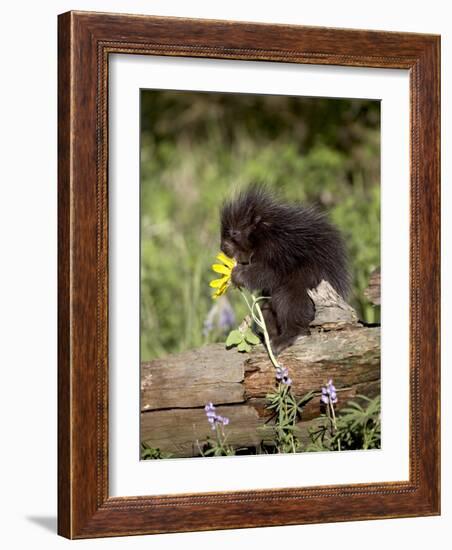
x,y
259,223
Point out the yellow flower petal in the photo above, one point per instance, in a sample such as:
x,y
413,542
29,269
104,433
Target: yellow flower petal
x,y
225,268
216,283
218,268
220,291
230,262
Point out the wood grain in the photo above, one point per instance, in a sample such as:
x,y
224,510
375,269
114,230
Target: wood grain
x,y
85,42
64,294
349,357
175,389
192,378
162,429
212,373
373,291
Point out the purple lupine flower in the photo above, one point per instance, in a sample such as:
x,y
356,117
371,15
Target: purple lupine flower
x,y
329,394
210,412
214,418
207,326
226,317
220,316
282,374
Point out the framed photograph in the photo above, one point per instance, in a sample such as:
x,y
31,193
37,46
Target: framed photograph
x,y
248,275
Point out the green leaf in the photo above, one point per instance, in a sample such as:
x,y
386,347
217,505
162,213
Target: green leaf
x,y
244,346
306,398
251,338
234,338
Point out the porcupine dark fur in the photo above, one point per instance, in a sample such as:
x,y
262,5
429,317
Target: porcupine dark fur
x,y
282,249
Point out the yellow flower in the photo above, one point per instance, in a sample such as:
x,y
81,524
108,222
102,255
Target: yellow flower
x,y
225,269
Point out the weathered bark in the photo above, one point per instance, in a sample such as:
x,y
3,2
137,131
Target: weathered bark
x,y
193,378
184,431
175,389
373,291
331,310
350,357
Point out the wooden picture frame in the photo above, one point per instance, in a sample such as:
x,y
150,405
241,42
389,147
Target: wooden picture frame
x,y
85,42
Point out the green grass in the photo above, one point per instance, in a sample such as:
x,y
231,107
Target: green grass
x,y
198,148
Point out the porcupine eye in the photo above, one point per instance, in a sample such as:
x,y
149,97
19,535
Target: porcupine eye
x,y
235,234
257,221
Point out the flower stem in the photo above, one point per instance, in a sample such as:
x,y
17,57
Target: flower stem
x,y
267,338
260,321
333,421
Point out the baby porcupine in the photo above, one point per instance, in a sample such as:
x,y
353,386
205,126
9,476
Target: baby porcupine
x,y
282,250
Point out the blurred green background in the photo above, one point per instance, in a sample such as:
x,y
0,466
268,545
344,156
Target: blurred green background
x,y
197,148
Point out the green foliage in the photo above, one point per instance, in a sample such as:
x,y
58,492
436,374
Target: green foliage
x,y
363,242
244,340
197,148
357,428
213,448
251,338
151,453
217,446
234,338
287,412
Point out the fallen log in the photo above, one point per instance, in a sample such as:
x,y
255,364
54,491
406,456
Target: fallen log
x,y
193,378
183,432
175,389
